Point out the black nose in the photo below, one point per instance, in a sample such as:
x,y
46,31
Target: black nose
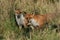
x,y
18,16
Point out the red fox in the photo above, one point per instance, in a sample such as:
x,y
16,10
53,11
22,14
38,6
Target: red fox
x,y
38,21
20,19
25,19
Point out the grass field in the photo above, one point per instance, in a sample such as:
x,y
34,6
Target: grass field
x,y
8,28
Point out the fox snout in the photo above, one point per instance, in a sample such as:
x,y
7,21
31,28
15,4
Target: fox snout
x,y
18,16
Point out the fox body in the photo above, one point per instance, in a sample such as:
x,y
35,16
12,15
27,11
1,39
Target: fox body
x,y
36,20
20,19
41,20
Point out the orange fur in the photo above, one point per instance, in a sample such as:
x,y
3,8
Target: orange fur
x,y
40,19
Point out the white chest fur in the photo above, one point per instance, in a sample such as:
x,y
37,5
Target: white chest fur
x,y
33,22
20,21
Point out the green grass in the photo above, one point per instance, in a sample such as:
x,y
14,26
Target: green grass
x,y
8,28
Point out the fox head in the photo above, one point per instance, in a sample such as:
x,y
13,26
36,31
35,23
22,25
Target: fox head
x,y
29,16
19,12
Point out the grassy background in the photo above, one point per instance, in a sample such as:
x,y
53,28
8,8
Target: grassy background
x,y
8,28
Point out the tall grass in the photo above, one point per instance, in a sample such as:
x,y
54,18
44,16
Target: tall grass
x,y
8,28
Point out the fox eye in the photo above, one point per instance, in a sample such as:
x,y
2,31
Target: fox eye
x,y
18,16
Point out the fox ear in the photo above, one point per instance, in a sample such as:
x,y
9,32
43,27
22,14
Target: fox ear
x,y
24,12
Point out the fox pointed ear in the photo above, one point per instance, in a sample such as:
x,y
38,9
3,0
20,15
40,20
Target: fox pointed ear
x,y
25,13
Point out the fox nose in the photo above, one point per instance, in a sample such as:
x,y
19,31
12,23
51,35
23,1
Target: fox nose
x,y
18,16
